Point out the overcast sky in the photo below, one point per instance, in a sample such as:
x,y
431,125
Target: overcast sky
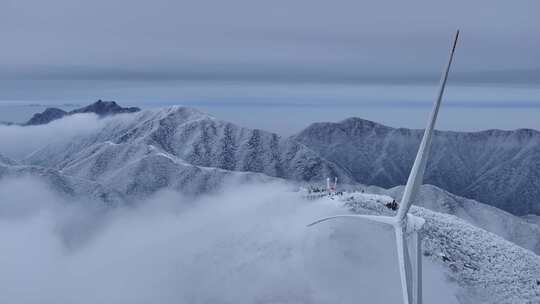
x,y
283,40
245,59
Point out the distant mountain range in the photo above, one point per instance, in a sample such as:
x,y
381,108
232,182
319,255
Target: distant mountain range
x,y
101,108
500,168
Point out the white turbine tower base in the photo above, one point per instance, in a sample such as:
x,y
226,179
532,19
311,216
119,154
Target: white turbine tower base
x,y
407,225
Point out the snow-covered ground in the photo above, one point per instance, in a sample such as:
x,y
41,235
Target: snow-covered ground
x,y
488,268
519,230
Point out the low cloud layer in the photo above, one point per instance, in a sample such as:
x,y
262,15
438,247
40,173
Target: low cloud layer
x,y
247,245
17,141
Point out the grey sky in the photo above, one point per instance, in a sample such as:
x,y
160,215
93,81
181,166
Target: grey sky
x,y
256,62
302,40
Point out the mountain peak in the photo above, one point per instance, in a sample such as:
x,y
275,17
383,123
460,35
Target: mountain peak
x,y
176,114
100,107
184,110
104,108
360,123
352,126
46,116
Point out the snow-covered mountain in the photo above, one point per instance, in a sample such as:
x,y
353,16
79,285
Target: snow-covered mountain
x,y
123,183
512,228
184,138
501,168
69,187
488,268
104,108
139,170
46,116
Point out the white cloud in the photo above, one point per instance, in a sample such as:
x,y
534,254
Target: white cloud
x,y
246,245
17,142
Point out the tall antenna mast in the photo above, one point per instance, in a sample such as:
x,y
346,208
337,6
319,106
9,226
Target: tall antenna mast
x,y
404,223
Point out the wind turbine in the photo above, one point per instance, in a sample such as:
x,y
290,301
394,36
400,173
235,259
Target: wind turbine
x,y
406,224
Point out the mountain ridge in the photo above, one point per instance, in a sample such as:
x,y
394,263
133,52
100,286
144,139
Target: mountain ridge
x,y
496,166
100,108
194,138
501,167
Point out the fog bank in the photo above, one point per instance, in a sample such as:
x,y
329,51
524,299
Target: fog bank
x,y
18,141
247,245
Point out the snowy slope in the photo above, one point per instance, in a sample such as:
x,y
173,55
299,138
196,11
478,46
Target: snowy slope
x,y
66,186
489,268
504,224
114,178
197,139
501,168
138,169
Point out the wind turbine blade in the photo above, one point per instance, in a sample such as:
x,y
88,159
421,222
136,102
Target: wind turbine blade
x,y
404,261
374,218
417,172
